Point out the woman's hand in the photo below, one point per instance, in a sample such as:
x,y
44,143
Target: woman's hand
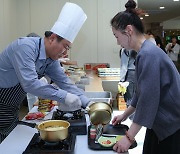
x,y
122,145
118,119
124,116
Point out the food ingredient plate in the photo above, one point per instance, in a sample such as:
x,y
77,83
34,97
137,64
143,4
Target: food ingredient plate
x,y
106,141
109,132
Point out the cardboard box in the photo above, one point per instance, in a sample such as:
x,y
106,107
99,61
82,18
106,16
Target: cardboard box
x,y
120,99
121,104
122,107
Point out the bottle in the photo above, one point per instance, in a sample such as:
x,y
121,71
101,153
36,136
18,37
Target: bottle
x,y
92,132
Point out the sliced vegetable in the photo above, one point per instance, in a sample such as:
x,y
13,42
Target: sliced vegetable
x,y
106,142
40,115
36,115
31,116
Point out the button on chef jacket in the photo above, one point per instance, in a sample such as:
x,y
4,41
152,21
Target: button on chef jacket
x,y
22,60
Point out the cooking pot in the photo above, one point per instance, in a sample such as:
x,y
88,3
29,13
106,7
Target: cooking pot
x,y
51,130
99,113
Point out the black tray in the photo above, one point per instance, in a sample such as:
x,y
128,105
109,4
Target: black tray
x,y
109,129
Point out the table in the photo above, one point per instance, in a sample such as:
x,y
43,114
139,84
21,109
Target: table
x,y
19,138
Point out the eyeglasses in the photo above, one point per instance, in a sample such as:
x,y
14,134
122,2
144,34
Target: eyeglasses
x,y
66,47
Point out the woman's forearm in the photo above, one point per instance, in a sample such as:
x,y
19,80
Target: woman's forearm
x,y
133,130
128,111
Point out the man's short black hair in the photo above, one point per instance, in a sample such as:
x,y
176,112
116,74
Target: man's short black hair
x,y
49,33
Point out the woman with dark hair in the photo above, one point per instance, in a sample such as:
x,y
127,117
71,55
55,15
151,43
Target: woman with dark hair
x,y
156,98
159,43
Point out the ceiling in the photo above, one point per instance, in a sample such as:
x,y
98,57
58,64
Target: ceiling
x,y
151,7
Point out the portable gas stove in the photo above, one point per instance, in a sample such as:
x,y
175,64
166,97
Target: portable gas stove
x,y
76,119
39,146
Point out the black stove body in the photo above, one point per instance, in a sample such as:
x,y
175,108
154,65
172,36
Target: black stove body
x,y
38,146
76,119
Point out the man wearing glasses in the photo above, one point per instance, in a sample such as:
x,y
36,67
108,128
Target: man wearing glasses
x,y
27,59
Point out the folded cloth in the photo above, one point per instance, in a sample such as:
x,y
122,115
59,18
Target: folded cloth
x,y
122,87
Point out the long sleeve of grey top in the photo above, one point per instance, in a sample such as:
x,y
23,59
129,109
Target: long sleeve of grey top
x,y
22,61
157,94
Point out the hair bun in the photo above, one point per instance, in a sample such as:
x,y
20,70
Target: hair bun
x,y
130,5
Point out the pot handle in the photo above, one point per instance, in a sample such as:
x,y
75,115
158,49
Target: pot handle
x,y
33,125
88,106
87,109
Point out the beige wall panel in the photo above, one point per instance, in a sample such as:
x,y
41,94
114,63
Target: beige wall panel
x,y
9,22
108,50
23,17
84,48
43,14
1,25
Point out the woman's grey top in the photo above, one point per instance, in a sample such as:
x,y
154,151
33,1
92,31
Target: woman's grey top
x,y
157,96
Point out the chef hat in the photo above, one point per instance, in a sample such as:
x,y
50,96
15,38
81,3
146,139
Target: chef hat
x,y
70,21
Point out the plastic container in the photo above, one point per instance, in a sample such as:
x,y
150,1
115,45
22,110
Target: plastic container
x,y
99,96
31,100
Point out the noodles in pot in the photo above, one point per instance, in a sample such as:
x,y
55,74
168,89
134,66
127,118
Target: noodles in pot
x,y
54,128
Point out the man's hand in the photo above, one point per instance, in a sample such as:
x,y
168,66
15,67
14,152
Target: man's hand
x,y
72,103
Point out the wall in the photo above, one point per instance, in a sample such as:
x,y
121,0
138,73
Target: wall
x,y
108,50
1,23
8,22
172,24
95,41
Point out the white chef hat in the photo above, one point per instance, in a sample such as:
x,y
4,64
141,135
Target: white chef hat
x,y
70,21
